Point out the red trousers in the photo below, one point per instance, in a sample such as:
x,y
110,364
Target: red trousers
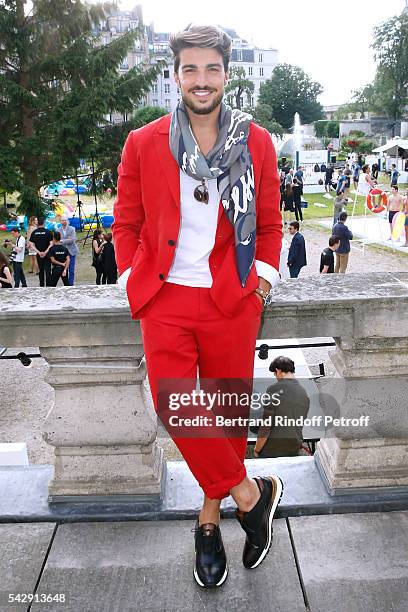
x,y
184,334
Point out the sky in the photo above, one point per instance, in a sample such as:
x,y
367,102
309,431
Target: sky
x,y
329,40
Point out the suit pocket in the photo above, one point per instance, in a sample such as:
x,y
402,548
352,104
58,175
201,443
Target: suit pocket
x,y
255,302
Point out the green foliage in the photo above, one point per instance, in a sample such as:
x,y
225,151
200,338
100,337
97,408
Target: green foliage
x,y
291,90
357,133
387,94
361,102
238,85
262,114
111,140
328,129
391,54
146,115
57,84
352,143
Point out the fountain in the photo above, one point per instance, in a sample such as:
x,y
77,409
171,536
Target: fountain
x,y
297,135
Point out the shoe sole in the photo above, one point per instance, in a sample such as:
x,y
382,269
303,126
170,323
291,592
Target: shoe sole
x,y
212,586
277,499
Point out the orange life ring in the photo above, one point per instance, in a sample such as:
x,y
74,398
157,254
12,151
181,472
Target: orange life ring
x,y
376,200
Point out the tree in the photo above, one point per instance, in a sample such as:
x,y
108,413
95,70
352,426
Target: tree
x,y
262,114
325,128
362,101
391,54
111,139
238,85
290,90
57,84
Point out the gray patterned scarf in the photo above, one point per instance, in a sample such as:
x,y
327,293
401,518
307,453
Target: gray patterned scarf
x,y
229,161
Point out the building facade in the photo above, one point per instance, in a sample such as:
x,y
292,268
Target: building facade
x,y
257,63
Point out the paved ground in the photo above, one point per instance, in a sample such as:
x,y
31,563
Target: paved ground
x,y
342,563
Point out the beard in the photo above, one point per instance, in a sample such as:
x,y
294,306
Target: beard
x,y
202,110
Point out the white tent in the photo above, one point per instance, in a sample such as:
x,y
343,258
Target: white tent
x,y
392,145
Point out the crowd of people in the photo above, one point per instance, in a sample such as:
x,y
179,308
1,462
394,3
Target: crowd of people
x,y
52,255
334,257
291,189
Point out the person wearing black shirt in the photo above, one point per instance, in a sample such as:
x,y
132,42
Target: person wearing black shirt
x,y
288,202
5,273
347,174
283,440
328,177
97,246
297,189
59,257
374,172
110,270
41,242
327,256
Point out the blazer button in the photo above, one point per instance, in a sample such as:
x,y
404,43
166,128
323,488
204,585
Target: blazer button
x,y
161,276
171,243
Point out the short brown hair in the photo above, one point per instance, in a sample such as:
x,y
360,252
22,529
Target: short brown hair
x,y
204,37
282,363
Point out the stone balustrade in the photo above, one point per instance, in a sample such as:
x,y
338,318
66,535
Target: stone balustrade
x,y
103,426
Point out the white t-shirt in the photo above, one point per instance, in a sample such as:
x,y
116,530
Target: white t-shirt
x,y
198,227
20,242
363,185
196,238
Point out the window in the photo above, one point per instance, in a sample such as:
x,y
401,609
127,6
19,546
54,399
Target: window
x,y
155,103
167,103
250,71
154,88
239,55
166,74
167,88
260,58
252,102
261,72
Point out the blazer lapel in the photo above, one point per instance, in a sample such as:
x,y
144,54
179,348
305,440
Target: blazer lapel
x,y
168,164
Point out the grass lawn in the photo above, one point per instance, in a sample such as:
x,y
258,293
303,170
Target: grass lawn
x,y
85,273
317,212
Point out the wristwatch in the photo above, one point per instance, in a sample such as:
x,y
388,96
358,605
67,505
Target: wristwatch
x,y
265,295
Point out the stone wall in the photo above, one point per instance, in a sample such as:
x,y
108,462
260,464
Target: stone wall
x,y
103,426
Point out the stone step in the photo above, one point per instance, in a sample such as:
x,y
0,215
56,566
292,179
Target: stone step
x,y
25,495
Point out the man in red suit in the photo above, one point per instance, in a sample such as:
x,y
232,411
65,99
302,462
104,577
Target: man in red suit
x,y
198,237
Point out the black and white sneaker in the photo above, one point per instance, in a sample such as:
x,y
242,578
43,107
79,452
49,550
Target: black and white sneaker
x,y
210,567
257,523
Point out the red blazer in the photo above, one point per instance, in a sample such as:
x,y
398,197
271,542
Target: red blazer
x,y
147,218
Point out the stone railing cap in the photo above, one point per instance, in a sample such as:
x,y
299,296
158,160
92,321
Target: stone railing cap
x,y
314,291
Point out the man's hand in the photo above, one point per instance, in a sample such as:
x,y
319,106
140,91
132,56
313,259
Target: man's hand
x,y
265,286
64,272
